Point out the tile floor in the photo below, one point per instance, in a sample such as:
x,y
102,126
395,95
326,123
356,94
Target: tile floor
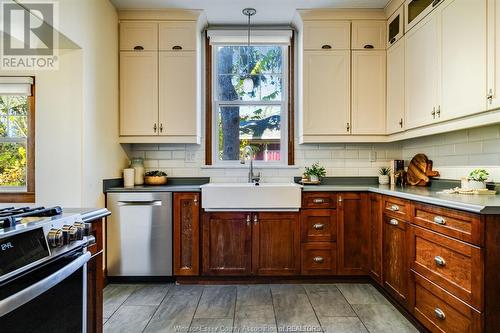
x,y
329,308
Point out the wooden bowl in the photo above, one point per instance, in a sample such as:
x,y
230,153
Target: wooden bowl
x,y
155,180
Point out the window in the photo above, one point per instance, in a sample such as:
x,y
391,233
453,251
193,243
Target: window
x,y
16,139
255,117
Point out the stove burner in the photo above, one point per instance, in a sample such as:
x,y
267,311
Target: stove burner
x,y
10,216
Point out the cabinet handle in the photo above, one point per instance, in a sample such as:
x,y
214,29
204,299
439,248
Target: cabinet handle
x,y
348,127
394,208
438,112
318,226
155,128
439,220
368,46
433,113
177,47
439,261
326,47
195,201
318,201
248,219
435,3
318,260
255,219
439,314
489,97
393,222
161,128
138,48
393,39
401,123
340,199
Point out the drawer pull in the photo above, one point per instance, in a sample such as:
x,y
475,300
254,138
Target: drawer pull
x,y
318,226
439,314
138,48
394,208
318,201
394,222
439,220
368,46
318,260
326,47
439,261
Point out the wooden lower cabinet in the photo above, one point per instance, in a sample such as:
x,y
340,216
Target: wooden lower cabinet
x,y
95,280
186,234
319,258
395,261
352,233
376,223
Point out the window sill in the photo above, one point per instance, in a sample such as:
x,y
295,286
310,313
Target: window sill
x,y
256,166
13,197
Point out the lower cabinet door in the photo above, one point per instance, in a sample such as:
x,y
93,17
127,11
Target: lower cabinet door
x,y
186,234
276,243
319,258
376,222
227,244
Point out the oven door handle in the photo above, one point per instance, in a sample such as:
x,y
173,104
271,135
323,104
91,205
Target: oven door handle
x,y
24,296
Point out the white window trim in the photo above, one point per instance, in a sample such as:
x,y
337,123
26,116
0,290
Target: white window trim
x,y
283,116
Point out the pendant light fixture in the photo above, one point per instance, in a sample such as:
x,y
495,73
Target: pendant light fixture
x,y
248,82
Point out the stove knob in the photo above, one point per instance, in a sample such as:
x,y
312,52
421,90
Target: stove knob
x,y
86,228
81,230
70,233
55,237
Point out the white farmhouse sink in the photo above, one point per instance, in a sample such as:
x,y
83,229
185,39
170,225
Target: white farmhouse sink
x,y
251,197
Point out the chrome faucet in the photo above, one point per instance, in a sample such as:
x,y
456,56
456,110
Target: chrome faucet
x,y
252,178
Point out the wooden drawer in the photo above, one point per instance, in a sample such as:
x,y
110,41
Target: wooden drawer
x,y
317,200
453,265
440,312
397,207
318,225
458,224
319,258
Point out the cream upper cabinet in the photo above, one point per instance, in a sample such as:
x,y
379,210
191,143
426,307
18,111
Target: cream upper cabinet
x,y
138,36
138,93
422,73
396,87
368,92
321,35
326,93
463,54
178,103
416,10
493,90
177,36
368,35
395,26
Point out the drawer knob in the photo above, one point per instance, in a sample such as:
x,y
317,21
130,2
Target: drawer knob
x,y
394,208
318,226
439,220
394,222
439,261
318,201
439,314
318,260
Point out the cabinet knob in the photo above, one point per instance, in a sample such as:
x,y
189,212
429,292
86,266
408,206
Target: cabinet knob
x,y
161,128
195,201
393,222
326,47
489,97
177,47
155,127
348,126
438,112
439,314
394,208
318,201
433,113
340,199
435,3
439,261
318,226
368,46
393,39
439,220
248,219
138,48
255,219
318,259
401,123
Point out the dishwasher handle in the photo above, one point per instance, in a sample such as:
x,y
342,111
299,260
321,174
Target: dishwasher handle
x,y
140,203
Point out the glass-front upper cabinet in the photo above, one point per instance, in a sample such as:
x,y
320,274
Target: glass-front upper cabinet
x,y
415,10
395,26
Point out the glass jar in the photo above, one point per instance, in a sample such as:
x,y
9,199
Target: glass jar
x,y
137,163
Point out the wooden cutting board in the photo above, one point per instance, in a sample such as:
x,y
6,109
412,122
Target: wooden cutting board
x,y
420,171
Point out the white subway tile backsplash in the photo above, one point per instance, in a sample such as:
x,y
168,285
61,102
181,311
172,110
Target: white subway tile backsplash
x,y
158,155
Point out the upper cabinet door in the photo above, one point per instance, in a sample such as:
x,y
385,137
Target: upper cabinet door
x,y
139,93
327,87
178,102
368,92
463,58
177,36
422,73
138,36
416,10
368,35
396,87
327,35
395,26
493,91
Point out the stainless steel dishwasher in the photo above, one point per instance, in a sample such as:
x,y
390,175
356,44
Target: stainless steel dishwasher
x,y
139,234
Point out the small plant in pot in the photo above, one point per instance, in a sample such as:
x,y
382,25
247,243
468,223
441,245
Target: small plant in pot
x,y
315,172
384,173
477,179
155,178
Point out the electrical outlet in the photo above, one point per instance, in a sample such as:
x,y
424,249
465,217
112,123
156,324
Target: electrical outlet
x,y
372,156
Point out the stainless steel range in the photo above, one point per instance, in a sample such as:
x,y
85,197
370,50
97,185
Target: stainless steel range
x,y
43,257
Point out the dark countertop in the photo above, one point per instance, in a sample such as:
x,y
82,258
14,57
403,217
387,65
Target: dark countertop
x,y
188,184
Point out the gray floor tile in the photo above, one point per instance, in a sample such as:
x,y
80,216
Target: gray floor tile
x,y
328,301
287,289
356,293
212,325
148,294
381,318
217,302
342,325
255,318
114,296
129,319
259,294
295,313
176,311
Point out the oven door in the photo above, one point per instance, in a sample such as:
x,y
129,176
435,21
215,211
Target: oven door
x,y
50,298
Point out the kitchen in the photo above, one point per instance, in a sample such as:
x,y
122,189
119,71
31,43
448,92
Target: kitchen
x,y
302,166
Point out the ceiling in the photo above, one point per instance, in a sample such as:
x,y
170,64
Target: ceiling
x,y
229,11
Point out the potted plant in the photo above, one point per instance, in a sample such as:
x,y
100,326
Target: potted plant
x,y
477,179
155,178
315,172
384,173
